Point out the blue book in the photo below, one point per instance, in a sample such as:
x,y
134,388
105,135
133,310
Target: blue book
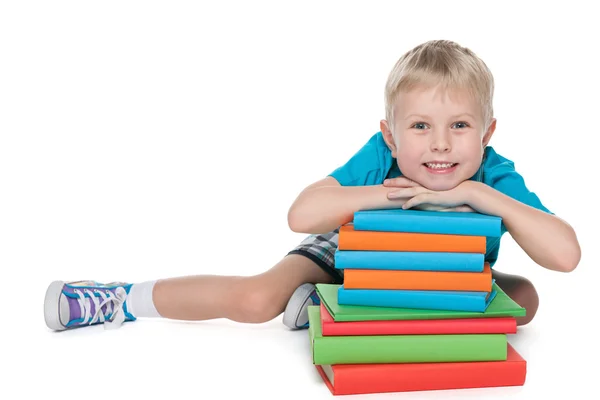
x,y
436,222
417,299
409,260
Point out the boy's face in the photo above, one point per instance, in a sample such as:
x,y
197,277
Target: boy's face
x,y
438,136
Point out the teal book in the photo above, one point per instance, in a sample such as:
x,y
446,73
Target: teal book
x,y
421,299
501,306
409,260
420,221
395,349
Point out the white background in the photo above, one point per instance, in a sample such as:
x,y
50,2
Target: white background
x,y
144,140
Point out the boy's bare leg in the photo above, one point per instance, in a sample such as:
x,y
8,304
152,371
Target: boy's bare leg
x,y
251,299
521,291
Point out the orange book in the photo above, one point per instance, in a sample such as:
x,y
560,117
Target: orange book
x,y
419,280
350,239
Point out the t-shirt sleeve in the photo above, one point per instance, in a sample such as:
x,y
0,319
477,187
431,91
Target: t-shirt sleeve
x,y
500,173
366,167
503,177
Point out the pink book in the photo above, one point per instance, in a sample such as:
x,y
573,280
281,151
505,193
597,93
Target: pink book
x,y
329,327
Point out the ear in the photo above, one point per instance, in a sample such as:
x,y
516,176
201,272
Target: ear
x,y
388,137
488,135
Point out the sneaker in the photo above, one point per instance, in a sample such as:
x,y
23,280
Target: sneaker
x,y
85,303
295,315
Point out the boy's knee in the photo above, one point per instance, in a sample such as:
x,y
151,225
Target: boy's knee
x,y
524,294
256,306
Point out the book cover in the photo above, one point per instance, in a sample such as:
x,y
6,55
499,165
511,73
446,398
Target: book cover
x,y
501,306
345,379
401,348
420,221
419,280
506,325
417,299
409,260
351,239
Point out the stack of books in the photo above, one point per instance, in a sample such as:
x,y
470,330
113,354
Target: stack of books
x,y
418,309
417,259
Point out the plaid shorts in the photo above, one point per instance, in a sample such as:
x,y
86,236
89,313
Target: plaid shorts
x,y
321,250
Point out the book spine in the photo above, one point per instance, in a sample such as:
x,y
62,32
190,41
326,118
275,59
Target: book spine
x,y
421,327
415,299
350,239
362,379
395,222
409,260
408,349
419,280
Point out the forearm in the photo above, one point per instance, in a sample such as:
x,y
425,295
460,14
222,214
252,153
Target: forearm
x,y
547,240
324,209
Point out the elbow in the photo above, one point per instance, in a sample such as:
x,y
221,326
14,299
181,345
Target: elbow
x,y
303,221
569,258
570,261
296,221
570,255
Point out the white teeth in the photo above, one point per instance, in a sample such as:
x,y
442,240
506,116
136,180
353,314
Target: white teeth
x,y
439,166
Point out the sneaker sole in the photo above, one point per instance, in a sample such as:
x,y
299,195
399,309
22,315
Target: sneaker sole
x,y
297,302
52,306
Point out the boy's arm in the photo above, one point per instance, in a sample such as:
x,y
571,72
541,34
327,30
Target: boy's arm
x,y
325,205
547,239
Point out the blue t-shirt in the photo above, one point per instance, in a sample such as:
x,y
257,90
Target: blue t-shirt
x,y
373,163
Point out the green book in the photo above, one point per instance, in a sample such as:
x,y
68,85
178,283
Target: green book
x,y
500,306
396,349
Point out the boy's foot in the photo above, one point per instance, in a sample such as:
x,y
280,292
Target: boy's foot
x,y
84,303
295,315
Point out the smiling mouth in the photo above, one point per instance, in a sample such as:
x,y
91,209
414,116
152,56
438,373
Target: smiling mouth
x,y
440,166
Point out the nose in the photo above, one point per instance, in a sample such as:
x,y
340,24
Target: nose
x,y
440,142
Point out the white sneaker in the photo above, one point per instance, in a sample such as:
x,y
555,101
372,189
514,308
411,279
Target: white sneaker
x,y
77,304
295,315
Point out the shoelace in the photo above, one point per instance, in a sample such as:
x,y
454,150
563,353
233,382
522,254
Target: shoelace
x,y
114,316
315,298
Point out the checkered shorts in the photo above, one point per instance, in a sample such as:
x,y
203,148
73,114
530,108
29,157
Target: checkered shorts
x,y
321,249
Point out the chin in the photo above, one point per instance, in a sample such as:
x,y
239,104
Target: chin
x,y
440,183
440,186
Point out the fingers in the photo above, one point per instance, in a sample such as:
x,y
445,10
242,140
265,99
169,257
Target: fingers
x,y
429,207
464,208
416,200
405,192
400,182
433,207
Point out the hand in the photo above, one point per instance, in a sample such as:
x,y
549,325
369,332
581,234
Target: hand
x,y
403,182
400,182
421,198
463,208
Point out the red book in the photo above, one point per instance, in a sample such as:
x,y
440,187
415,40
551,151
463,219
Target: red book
x,y
416,327
381,378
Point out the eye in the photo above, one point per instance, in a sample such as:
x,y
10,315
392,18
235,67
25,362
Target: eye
x,y
460,125
420,125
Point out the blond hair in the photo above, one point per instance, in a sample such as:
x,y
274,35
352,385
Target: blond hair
x,y
445,63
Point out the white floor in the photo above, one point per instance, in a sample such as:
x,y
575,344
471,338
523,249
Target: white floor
x,y
221,359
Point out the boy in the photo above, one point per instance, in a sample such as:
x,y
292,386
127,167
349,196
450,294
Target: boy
x,y
432,153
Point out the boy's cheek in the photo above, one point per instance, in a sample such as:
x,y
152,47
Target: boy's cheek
x,y
408,160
